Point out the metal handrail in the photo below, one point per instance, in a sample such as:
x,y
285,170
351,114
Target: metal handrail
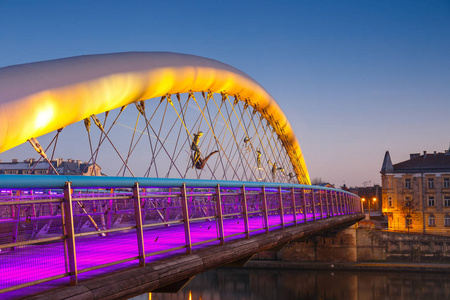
x,y
293,199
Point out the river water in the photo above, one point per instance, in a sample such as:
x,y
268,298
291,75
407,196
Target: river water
x,y
286,284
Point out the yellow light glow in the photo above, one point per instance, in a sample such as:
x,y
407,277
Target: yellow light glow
x,y
44,117
363,199
118,79
374,199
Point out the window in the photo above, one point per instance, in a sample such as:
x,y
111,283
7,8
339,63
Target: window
x,y
446,201
447,221
26,172
408,202
446,183
390,201
41,172
12,172
431,183
431,221
430,200
407,183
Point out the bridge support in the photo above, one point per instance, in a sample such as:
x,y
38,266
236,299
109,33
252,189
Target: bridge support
x,y
265,212
305,214
69,241
294,208
245,212
219,215
138,218
313,205
187,230
280,199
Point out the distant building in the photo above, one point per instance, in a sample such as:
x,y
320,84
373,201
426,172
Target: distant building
x,y
31,167
416,193
371,194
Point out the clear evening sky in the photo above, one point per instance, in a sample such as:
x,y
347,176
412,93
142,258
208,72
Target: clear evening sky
x,y
355,78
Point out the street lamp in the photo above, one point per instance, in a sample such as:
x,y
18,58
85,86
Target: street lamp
x,y
374,199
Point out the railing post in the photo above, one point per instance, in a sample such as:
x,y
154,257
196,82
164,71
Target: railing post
x,y
245,211
344,210
313,203
70,233
321,204
305,214
280,196
352,199
341,202
327,203
294,208
332,203
138,219
187,230
347,202
219,214
265,212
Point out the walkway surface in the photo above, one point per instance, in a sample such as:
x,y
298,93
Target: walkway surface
x,y
36,262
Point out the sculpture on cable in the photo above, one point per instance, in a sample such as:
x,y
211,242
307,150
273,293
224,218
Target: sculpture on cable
x,y
275,169
197,161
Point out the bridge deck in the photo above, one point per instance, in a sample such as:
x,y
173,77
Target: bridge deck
x,y
94,251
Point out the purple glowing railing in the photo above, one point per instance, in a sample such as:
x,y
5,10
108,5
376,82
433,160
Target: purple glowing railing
x,y
54,230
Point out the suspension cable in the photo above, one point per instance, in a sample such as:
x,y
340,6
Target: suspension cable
x,y
99,125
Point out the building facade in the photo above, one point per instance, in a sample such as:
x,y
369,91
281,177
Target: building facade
x,y
416,193
33,167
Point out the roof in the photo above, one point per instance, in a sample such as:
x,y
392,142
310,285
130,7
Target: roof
x,y
427,163
387,163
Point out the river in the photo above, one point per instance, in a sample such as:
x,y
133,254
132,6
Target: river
x,y
286,284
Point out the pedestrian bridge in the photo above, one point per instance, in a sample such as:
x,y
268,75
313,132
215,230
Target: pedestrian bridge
x,y
67,229
204,170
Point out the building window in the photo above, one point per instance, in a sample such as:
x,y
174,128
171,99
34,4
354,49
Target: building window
x,y
390,201
408,202
431,183
12,172
40,172
430,200
447,221
431,221
26,172
407,183
446,201
446,183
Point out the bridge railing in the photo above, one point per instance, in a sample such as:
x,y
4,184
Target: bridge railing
x,y
67,226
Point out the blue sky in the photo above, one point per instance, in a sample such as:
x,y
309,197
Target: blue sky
x,y
355,78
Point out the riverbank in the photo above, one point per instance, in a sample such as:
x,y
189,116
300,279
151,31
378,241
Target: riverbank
x,y
359,266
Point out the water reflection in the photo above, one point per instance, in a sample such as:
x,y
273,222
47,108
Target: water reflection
x,y
257,284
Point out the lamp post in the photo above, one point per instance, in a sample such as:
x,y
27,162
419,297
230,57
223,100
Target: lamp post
x,y
363,200
374,199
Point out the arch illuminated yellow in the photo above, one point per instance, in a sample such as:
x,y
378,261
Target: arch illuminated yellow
x,y
38,98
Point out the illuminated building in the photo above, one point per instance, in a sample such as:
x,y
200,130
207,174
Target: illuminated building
x,y
416,193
